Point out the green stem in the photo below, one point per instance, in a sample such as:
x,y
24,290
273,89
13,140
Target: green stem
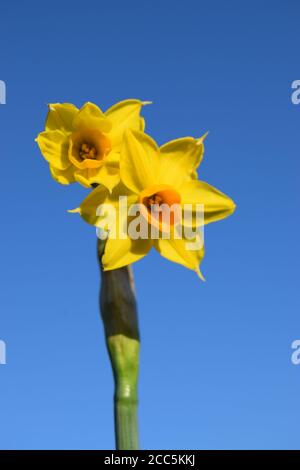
x,y
119,314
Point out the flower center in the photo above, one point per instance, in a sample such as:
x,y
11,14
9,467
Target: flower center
x,y
87,151
154,200
88,148
161,205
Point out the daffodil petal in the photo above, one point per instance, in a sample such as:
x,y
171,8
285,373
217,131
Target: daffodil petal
x,y
142,124
179,160
139,161
60,117
90,116
63,176
216,204
113,159
124,115
179,252
119,253
88,208
108,176
54,147
82,177
101,195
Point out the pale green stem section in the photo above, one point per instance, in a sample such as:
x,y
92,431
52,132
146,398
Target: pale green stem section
x,y
119,314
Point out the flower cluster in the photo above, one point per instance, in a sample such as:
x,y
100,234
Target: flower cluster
x,y
111,154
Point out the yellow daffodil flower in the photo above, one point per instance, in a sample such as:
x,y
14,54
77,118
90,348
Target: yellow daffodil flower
x,y
84,144
157,176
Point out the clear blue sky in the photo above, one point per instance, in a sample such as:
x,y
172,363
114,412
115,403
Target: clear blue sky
x,y
215,366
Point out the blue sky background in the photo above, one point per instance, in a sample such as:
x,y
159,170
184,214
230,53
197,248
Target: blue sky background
x,y
215,366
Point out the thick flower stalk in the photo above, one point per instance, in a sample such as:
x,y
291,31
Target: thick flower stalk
x,y
119,314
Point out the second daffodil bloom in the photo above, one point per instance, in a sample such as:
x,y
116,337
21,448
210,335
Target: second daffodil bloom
x,y
152,176
84,144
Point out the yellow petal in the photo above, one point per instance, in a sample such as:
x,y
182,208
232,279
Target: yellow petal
x,y
101,195
54,147
107,176
217,205
139,161
179,252
142,124
119,253
179,160
124,115
88,207
82,176
113,159
91,117
120,249
60,117
63,176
